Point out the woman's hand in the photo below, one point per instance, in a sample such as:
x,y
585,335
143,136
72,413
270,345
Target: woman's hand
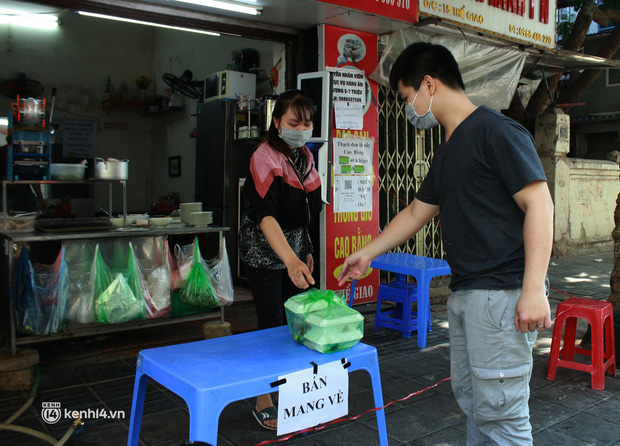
x,y
310,263
299,273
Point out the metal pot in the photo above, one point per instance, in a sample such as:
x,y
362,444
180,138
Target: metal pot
x,y
111,169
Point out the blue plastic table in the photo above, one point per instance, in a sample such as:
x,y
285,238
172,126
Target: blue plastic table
x,y
423,269
211,374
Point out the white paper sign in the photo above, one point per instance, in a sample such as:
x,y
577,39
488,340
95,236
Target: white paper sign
x,y
353,156
349,86
308,399
349,116
78,138
352,193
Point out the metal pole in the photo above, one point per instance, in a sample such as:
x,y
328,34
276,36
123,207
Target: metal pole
x,y
124,183
4,209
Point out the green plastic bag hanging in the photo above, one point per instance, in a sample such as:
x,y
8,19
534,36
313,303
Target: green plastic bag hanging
x,y
197,289
118,294
321,321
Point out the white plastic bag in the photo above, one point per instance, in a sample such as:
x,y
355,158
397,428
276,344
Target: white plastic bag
x,y
222,276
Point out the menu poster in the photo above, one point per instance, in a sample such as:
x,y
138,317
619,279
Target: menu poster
x,y
353,155
78,138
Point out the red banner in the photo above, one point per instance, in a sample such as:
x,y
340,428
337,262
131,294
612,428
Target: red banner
x,y
405,10
346,232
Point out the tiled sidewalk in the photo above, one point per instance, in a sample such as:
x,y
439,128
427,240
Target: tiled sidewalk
x,y
99,375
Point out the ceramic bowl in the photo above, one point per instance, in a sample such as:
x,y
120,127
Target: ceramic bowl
x,y
160,222
117,222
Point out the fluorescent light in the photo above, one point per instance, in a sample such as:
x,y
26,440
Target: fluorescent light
x,y
4,121
140,22
236,7
39,21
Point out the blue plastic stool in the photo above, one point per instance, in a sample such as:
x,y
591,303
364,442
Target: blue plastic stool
x,y
211,374
423,269
402,317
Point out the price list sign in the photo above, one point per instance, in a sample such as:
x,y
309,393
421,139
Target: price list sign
x,y
353,174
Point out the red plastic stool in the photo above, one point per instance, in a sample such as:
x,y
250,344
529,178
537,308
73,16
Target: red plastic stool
x,y
603,353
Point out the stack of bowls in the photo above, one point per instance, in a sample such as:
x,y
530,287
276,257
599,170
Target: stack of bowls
x,y
201,219
187,209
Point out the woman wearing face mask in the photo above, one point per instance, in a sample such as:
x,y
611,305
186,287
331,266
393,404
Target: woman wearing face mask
x,y
282,198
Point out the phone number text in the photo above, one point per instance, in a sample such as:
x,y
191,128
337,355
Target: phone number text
x,y
524,32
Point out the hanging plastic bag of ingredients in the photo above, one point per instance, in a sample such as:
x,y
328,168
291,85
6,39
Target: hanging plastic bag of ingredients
x,y
158,302
22,288
81,301
79,255
40,293
197,289
118,294
321,320
222,276
185,259
175,275
183,255
139,285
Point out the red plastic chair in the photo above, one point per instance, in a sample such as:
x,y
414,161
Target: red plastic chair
x,y
603,352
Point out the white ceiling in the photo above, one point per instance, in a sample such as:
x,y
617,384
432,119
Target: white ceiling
x,y
291,15
294,14
301,14
29,8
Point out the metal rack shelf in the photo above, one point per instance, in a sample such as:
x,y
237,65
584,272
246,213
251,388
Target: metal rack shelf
x,y
7,310
110,183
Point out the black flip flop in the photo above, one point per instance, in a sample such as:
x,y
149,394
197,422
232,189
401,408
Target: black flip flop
x,y
267,414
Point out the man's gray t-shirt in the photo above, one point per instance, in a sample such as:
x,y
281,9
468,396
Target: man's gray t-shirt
x,y
473,178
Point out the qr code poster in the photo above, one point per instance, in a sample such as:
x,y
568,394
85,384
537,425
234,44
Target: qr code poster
x,y
352,193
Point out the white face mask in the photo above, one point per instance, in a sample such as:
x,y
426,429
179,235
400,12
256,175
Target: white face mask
x,y
422,122
294,138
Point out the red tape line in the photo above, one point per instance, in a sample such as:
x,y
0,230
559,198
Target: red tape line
x,y
340,420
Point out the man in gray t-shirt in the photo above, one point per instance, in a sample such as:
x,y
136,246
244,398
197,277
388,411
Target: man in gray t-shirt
x,y
497,230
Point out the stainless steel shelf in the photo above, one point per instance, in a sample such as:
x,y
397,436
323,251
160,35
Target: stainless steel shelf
x,y
93,329
123,184
88,181
39,236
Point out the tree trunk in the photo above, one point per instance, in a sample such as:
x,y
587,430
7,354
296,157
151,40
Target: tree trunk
x,y
614,280
587,77
540,100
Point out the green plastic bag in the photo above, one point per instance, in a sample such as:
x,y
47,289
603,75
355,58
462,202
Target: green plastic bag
x,y
197,290
118,294
322,321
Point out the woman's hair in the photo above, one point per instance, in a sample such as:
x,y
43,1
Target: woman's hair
x,y
422,58
302,107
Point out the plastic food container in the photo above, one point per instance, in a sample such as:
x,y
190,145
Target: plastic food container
x,y
67,172
322,325
243,132
138,220
20,224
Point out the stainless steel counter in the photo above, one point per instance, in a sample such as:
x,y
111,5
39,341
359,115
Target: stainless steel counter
x,y
41,236
7,311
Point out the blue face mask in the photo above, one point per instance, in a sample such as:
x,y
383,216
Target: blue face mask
x,y
295,138
422,122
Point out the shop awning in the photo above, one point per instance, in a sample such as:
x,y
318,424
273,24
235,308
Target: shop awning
x,y
491,66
